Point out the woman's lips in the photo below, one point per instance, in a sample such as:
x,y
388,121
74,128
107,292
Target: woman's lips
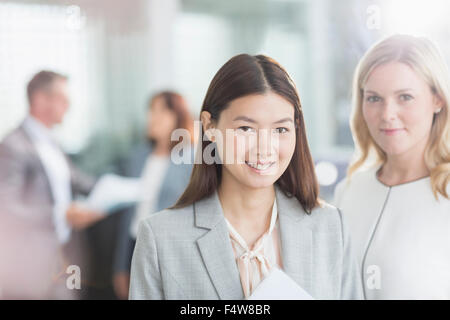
x,y
391,132
260,167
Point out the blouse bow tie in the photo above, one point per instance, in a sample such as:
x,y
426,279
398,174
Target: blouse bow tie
x,y
250,259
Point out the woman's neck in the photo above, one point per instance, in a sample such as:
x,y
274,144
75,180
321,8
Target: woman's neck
x,y
404,168
246,206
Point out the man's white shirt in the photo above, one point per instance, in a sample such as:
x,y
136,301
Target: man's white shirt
x,y
58,173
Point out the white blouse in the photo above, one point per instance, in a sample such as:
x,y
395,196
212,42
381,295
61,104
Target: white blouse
x,y
152,179
255,263
400,235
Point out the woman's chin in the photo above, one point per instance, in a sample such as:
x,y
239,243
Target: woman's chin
x,y
394,150
262,181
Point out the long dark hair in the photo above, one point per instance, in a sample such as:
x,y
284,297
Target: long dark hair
x,y
241,76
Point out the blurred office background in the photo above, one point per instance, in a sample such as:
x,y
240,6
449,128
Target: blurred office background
x,y
118,52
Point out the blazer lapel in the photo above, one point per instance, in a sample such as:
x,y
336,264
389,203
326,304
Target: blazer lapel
x,y
216,250
33,153
296,240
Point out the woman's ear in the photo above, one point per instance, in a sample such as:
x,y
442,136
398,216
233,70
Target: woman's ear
x,y
207,124
438,103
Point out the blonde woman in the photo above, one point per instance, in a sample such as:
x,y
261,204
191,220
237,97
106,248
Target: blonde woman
x,y
398,206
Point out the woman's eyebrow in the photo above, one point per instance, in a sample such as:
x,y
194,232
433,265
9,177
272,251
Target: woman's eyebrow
x,y
396,91
403,90
287,119
244,118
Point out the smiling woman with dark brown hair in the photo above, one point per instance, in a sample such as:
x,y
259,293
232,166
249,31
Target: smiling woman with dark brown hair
x,y
252,209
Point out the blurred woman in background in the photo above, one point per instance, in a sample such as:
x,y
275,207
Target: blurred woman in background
x,y
162,179
399,208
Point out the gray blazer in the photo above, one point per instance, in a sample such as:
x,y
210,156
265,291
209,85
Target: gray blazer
x,y
186,253
27,234
25,191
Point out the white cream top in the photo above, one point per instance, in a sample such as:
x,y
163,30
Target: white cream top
x,y
400,234
152,178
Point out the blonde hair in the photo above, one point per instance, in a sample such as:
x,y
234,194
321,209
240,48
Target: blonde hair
x,y
424,57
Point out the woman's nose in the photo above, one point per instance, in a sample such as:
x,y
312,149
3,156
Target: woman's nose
x,y
267,143
389,110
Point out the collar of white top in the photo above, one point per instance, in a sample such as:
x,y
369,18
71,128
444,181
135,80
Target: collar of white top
x,y
273,220
37,130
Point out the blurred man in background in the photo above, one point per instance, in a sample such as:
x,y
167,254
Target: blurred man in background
x,y
39,223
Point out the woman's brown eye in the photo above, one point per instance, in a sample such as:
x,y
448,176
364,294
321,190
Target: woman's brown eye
x,y
281,130
246,129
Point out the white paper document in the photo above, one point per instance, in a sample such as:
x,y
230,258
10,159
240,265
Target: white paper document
x,y
279,286
112,191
